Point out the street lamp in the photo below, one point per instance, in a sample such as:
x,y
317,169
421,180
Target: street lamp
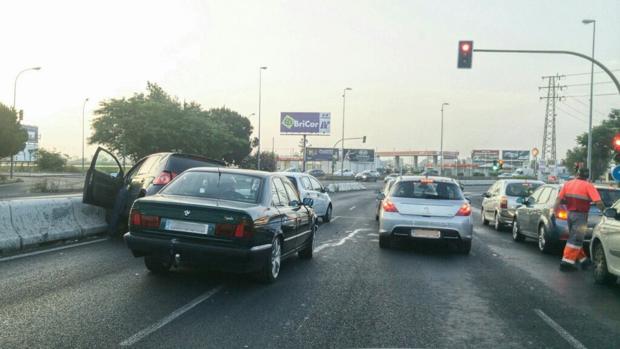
x,y
260,82
14,99
589,160
344,97
441,145
83,109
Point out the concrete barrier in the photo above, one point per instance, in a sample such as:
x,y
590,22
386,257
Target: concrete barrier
x,y
90,219
343,187
9,240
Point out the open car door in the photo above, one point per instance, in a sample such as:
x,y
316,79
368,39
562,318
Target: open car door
x,y
103,180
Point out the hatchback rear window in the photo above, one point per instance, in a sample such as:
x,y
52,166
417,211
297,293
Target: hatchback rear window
x,y
178,164
609,196
213,185
521,189
430,190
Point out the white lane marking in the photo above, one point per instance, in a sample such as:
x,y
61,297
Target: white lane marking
x,y
334,218
570,339
163,322
52,250
342,241
373,234
352,208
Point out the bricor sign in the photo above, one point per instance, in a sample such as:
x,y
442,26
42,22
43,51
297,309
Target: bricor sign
x,y
308,123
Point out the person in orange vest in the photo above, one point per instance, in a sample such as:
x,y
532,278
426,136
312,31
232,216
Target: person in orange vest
x,y
577,195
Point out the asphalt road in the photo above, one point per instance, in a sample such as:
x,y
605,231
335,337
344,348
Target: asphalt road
x,y
352,294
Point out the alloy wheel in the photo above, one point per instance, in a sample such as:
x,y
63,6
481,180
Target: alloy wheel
x,y
275,258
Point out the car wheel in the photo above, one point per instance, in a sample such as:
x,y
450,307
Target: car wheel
x,y
601,272
306,252
157,264
484,221
544,245
516,231
328,214
385,241
464,246
497,225
271,267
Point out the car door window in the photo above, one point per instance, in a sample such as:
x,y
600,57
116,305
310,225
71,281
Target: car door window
x,y
281,190
536,194
305,183
292,194
148,164
275,198
544,196
316,185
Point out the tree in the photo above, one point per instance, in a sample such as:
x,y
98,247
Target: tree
x,y
602,150
268,161
50,160
12,136
155,122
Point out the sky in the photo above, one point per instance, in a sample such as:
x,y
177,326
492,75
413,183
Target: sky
x,y
399,58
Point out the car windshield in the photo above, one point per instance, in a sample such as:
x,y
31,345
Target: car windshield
x,y
521,189
427,190
214,185
609,196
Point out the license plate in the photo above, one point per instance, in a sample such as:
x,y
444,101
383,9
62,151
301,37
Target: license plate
x,y
188,227
425,233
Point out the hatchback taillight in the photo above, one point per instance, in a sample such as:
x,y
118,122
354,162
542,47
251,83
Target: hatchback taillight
x,y
164,178
137,219
388,206
561,213
464,210
503,202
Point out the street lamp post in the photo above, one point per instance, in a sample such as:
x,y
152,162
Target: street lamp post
x,y
589,159
344,98
83,109
441,144
260,83
14,100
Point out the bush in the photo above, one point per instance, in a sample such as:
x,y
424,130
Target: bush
x,y
478,174
50,160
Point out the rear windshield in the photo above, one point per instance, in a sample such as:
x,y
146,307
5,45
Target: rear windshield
x,y
178,164
609,196
521,189
212,185
433,190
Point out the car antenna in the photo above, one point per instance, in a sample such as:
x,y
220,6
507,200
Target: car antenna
x,y
219,176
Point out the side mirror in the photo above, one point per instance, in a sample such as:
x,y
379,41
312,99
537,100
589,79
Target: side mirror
x,y
486,195
529,201
610,213
520,200
468,199
380,196
323,190
308,202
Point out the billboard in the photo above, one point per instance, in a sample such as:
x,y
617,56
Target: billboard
x,y
516,155
484,155
321,154
305,123
359,155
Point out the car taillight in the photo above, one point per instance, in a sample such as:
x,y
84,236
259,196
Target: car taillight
x,y
164,178
137,219
503,202
388,206
242,230
561,213
464,210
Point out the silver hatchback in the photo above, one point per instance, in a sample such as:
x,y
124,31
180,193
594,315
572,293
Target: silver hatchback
x,y
426,208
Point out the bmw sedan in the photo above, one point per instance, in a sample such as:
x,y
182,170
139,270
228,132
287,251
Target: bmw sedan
x,y
426,208
605,246
225,219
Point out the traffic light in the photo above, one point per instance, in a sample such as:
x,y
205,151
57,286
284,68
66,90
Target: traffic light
x,y
616,145
364,139
501,164
466,50
495,166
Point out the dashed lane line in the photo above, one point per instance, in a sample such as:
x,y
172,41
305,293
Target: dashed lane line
x,y
560,330
341,241
352,208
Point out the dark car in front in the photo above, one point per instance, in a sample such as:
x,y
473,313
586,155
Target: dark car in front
x,y
225,219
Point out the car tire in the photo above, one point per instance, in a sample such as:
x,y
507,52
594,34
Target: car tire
x,y
602,276
306,252
497,225
516,231
464,246
157,264
544,245
484,221
385,241
328,214
271,265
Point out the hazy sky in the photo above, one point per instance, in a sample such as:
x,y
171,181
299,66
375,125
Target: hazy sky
x,y
398,56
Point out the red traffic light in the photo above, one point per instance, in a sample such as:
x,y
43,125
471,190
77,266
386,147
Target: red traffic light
x,y
466,49
616,143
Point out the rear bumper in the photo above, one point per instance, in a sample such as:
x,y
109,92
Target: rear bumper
x,y
559,232
231,259
451,228
506,215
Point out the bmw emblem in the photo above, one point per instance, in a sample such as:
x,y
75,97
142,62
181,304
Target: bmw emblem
x,y
187,212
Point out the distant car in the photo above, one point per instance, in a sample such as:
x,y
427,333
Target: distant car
x,y
390,177
430,173
366,176
536,218
605,246
382,194
292,169
309,187
109,187
226,219
500,201
426,208
344,173
317,173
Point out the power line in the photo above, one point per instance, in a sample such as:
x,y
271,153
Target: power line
x,y
588,73
600,94
588,84
572,115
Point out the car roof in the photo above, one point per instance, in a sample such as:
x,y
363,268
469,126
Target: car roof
x,y
232,170
295,174
508,181
434,178
188,156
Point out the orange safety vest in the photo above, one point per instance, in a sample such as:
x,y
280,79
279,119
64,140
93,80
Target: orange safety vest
x,y
578,194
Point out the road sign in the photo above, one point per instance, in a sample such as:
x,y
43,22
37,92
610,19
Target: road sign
x,y
321,154
305,123
359,155
520,155
615,173
535,152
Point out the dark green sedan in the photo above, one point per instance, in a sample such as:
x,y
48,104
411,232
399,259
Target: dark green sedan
x,y
226,219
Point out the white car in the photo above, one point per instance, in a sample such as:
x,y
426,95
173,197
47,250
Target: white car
x,y
310,187
345,173
605,246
